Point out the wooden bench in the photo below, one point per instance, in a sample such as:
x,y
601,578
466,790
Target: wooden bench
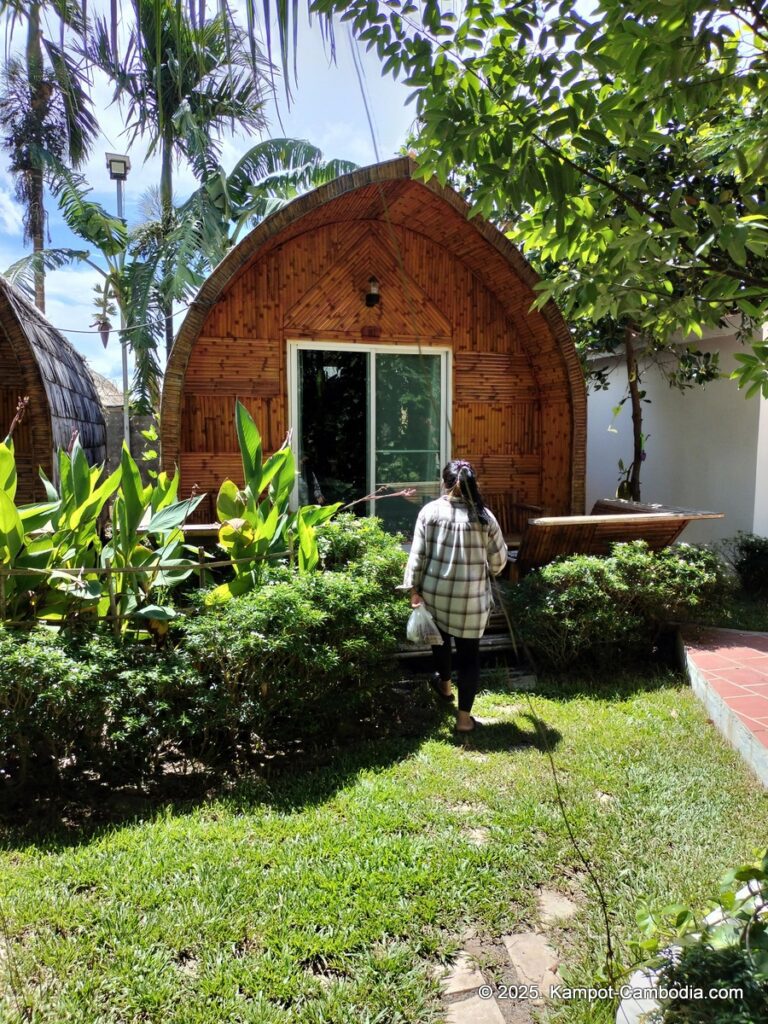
x,y
612,520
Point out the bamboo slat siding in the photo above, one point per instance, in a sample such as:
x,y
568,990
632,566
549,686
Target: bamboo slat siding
x,y
519,405
36,360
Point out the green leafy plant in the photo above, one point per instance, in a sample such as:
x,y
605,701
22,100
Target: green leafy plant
x,y
256,521
75,705
146,536
304,656
586,608
728,949
749,554
304,653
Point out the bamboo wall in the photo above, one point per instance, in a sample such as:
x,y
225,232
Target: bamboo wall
x,y
518,402
11,389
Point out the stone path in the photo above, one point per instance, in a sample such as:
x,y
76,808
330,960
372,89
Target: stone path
x,y
728,670
486,996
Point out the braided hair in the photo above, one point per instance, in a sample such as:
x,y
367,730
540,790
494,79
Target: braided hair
x,y
459,474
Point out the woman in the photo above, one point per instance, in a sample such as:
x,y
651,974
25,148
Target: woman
x,y
457,544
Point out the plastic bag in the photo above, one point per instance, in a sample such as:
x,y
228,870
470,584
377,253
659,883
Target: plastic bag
x,y
421,628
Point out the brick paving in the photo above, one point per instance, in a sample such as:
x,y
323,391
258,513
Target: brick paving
x,y
728,669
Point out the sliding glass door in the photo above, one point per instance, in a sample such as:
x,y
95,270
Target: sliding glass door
x,y
369,421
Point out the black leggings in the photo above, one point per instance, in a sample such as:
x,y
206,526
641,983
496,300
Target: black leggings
x,y
467,666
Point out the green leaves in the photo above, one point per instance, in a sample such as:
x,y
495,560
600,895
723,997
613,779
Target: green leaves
x,y
249,440
8,468
752,372
11,530
256,521
625,155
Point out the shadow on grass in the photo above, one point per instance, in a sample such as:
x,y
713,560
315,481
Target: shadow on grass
x,y
75,813
295,778
497,737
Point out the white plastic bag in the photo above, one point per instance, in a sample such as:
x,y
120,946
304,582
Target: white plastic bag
x,y
421,628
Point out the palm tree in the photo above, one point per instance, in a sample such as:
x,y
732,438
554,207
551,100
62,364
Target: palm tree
x,y
149,264
182,83
268,176
44,113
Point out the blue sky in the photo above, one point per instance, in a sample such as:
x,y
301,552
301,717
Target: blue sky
x,y
327,109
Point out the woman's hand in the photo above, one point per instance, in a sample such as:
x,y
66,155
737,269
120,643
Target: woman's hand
x,y
415,598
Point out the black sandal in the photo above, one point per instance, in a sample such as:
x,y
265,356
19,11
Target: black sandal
x,y
434,682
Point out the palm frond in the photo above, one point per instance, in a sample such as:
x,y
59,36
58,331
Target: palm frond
x,y
22,272
81,126
86,218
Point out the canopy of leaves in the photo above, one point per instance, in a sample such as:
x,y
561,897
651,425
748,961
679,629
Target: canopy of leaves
x,y
627,147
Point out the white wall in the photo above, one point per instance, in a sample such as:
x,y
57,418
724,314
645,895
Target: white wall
x,y
707,448
761,489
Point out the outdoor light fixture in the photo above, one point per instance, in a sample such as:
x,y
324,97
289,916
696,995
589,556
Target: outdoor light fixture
x,y
118,166
372,295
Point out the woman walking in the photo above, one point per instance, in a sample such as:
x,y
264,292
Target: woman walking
x,y
456,546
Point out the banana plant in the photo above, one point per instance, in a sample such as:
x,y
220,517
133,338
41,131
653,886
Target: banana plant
x,y
69,542
256,521
148,540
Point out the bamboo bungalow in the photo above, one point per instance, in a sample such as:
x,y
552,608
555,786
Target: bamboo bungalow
x,y
37,361
387,333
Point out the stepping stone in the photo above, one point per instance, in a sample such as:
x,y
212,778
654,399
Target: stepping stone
x,y
534,960
474,1011
554,908
463,977
478,836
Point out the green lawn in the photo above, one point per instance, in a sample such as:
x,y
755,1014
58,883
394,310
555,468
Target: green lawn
x,y
330,895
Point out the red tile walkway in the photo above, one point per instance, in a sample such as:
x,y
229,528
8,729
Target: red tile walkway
x,y
728,670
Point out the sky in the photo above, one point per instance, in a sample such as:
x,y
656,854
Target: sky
x,y
327,109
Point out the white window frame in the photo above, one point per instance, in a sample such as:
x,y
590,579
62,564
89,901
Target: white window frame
x,y
446,392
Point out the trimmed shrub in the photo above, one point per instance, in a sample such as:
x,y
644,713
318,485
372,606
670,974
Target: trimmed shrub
x,y
750,560
76,705
305,654
585,608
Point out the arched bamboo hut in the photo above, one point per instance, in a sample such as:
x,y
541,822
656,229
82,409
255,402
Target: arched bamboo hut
x,y
447,361
36,360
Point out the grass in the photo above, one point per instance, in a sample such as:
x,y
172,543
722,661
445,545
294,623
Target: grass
x,y
330,895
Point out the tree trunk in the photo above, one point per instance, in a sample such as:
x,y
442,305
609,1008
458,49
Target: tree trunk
x,y
39,98
633,384
166,207
37,231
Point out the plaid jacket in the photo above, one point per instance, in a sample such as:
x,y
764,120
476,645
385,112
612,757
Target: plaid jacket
x,y
450,565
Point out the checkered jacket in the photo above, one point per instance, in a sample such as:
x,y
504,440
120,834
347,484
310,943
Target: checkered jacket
x,y
450,565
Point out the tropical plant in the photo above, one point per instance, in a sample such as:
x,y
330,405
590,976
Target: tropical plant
x,y
54,563
256,521
266,177
182,83
725,952
129,276
44,111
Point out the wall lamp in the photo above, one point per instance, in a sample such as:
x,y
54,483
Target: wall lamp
x,y
372,296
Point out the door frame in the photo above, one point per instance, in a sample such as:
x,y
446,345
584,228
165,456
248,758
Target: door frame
x,y
294,346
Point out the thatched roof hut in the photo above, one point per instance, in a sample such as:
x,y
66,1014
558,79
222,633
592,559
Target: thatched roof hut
x,y
36,360
388,332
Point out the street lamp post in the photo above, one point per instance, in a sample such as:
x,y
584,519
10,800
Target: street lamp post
x,y
118,167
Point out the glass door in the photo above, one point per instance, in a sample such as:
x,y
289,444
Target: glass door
x,y
332,462
408,418
368,418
